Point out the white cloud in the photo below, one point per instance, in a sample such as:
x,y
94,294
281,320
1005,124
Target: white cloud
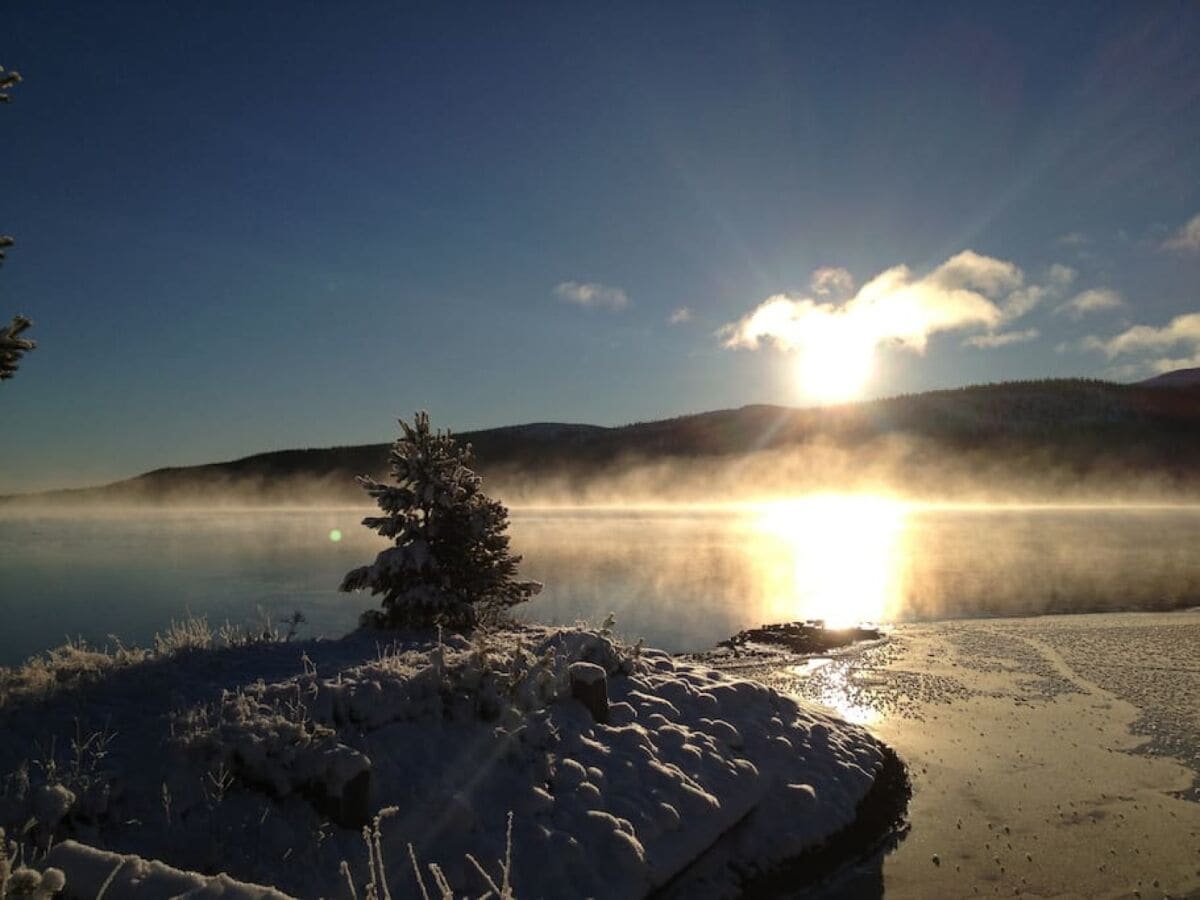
x,y
679,316
1095,300
1187,238
1170,364
1181,333
830,281
1001,339
592,295
1024,299
969,269
1061,276
895,307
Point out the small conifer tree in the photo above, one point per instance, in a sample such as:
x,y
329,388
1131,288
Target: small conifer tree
x,y
450,560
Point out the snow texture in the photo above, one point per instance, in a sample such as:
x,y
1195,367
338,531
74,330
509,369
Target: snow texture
x,y
587,673
130,876
231,761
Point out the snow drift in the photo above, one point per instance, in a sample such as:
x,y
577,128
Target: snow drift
x,y
263,762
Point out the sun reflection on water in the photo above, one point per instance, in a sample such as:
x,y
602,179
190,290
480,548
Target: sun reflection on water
x,y
836,558
838,685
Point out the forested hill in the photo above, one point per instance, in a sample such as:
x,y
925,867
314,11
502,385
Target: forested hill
x,y
1077,426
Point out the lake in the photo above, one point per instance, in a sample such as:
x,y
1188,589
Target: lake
x,y
682,578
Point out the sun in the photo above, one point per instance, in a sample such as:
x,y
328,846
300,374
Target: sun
x,y
835,365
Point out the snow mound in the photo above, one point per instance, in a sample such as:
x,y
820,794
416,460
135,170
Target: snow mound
x,y
264,762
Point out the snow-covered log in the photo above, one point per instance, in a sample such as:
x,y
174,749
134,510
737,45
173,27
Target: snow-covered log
x,y
89,871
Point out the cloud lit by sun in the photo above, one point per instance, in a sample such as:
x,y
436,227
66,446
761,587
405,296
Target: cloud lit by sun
x,y
835,342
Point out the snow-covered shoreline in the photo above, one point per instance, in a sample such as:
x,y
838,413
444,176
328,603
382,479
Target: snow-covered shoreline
x,y
243,760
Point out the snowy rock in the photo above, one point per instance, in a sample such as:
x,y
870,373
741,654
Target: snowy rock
x,y
53,880
804,794
24,882
723,731
51,803
621,713
587,673
589,685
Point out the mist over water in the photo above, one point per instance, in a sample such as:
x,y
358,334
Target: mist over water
x,y
686,579
681,577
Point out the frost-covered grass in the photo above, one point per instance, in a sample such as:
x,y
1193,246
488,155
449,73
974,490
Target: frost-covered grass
x,y
72,664
377,886
499,887
76,663
19,880
265,761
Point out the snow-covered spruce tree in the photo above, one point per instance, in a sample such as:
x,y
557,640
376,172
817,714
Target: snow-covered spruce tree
x,y
449,562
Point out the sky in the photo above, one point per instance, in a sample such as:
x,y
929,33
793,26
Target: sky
x,y
243,227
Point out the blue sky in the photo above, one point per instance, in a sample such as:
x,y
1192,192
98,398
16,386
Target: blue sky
x,y
243,227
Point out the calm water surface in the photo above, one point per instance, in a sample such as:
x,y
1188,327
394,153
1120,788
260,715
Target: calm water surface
x,y
682,578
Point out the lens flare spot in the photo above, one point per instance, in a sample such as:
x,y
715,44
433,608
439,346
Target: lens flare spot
x,y
335,535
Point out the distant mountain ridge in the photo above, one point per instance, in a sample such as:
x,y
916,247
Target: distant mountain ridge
x,y
1080,428
1178,378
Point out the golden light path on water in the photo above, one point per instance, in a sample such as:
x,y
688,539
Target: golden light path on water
x,y
832,557
837,558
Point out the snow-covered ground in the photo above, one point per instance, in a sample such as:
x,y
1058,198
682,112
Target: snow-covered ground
x,y
265,761
1056,756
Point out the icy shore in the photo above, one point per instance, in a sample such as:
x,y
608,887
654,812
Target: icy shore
x,y
1056,756
262,762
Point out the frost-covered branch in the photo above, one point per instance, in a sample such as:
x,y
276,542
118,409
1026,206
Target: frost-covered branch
x,y
12,345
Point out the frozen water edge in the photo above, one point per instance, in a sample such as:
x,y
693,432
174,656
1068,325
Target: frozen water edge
x,y
1049,756
243,760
